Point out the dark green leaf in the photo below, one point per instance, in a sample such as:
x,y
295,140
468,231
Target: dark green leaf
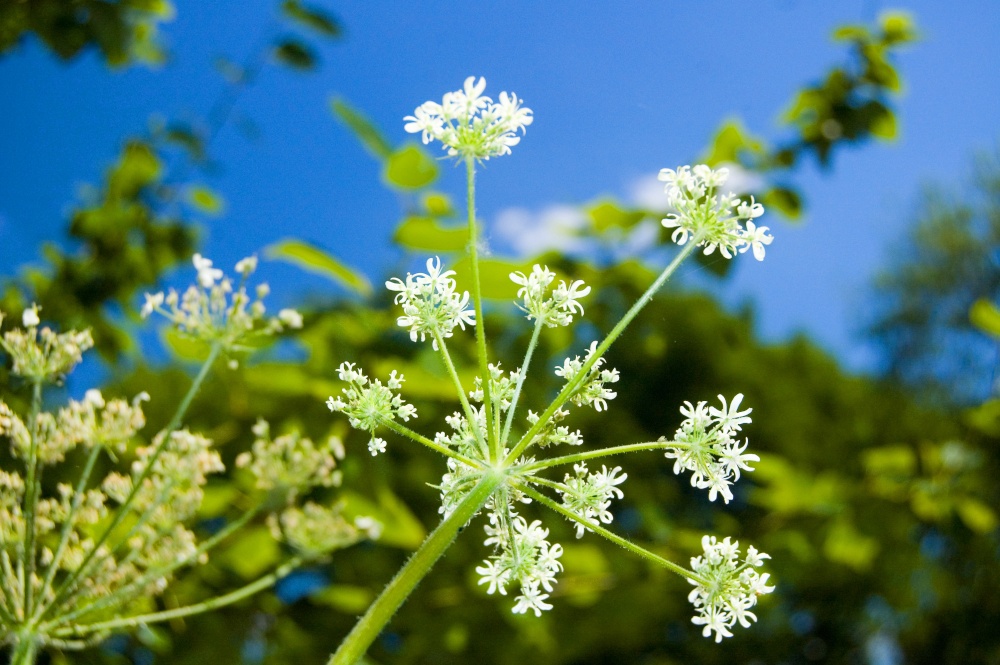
x,y
312,17
295,54
784,200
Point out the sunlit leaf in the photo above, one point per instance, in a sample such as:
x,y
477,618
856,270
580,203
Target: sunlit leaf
x,y
205,199
315,260
784,200
977,515
357,122
429,234
410,168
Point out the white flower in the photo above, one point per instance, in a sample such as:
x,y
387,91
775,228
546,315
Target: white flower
x,y
707,447
207,275
246,266
555,309
290,318
370,404
704,213
376,446
592,389
431,305
469,124
729,589
30,317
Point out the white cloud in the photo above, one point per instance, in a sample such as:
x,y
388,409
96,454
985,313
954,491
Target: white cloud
x,y
526,233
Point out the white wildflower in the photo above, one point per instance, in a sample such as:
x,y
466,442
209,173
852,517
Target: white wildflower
x,y
729,589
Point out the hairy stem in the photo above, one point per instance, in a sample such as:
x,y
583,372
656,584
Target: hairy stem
x,y
214,603
403,430
122,511
477,296
34,490
603,452
618,540
368,627
25,649
520,381
78,496
469,413
571,386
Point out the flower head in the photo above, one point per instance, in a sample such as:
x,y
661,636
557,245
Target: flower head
x,y
470,124
706,215
431,304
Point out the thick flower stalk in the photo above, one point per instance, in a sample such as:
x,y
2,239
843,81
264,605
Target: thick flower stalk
x,y
499,454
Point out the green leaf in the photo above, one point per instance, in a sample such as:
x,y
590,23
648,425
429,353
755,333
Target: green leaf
x,y
438,205
315,260
295,54
367,133
729,141
312,17
985,316
205,199
851,33
608,214
883,125
346,598
977,515
400,528
845,544
254,552
784,200
429,234
494,277
410,168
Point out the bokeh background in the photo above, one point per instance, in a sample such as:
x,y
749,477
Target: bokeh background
x,y
141,131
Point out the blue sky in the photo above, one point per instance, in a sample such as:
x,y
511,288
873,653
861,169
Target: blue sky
x,y
619,91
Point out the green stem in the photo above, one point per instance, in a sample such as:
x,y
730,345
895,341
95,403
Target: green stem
x,y
34,486
469,413
122,511
8,586
354,646
477,296
122,594
78,497
520,381
403,430
604,452
571,386
618,540
25,650
180,612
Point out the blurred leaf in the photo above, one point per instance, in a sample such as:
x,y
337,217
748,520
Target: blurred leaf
x,y
400,528
313,259
714,263
729,141
977,515
438,204
218,498
362,127
253,552
429,234
883,124
985,316
345,598
295,54
607,214
898,28
284,379
312,17
844,544
410,168
784,200
205,199
494,277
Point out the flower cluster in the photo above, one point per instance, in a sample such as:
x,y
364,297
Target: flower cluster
x,y
89,422
707,216
368,404
212,311
316,530
729,587
41,354
553,309
706,445
525,556
592,390
470,124
589,494
431,305
502,387
291,462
